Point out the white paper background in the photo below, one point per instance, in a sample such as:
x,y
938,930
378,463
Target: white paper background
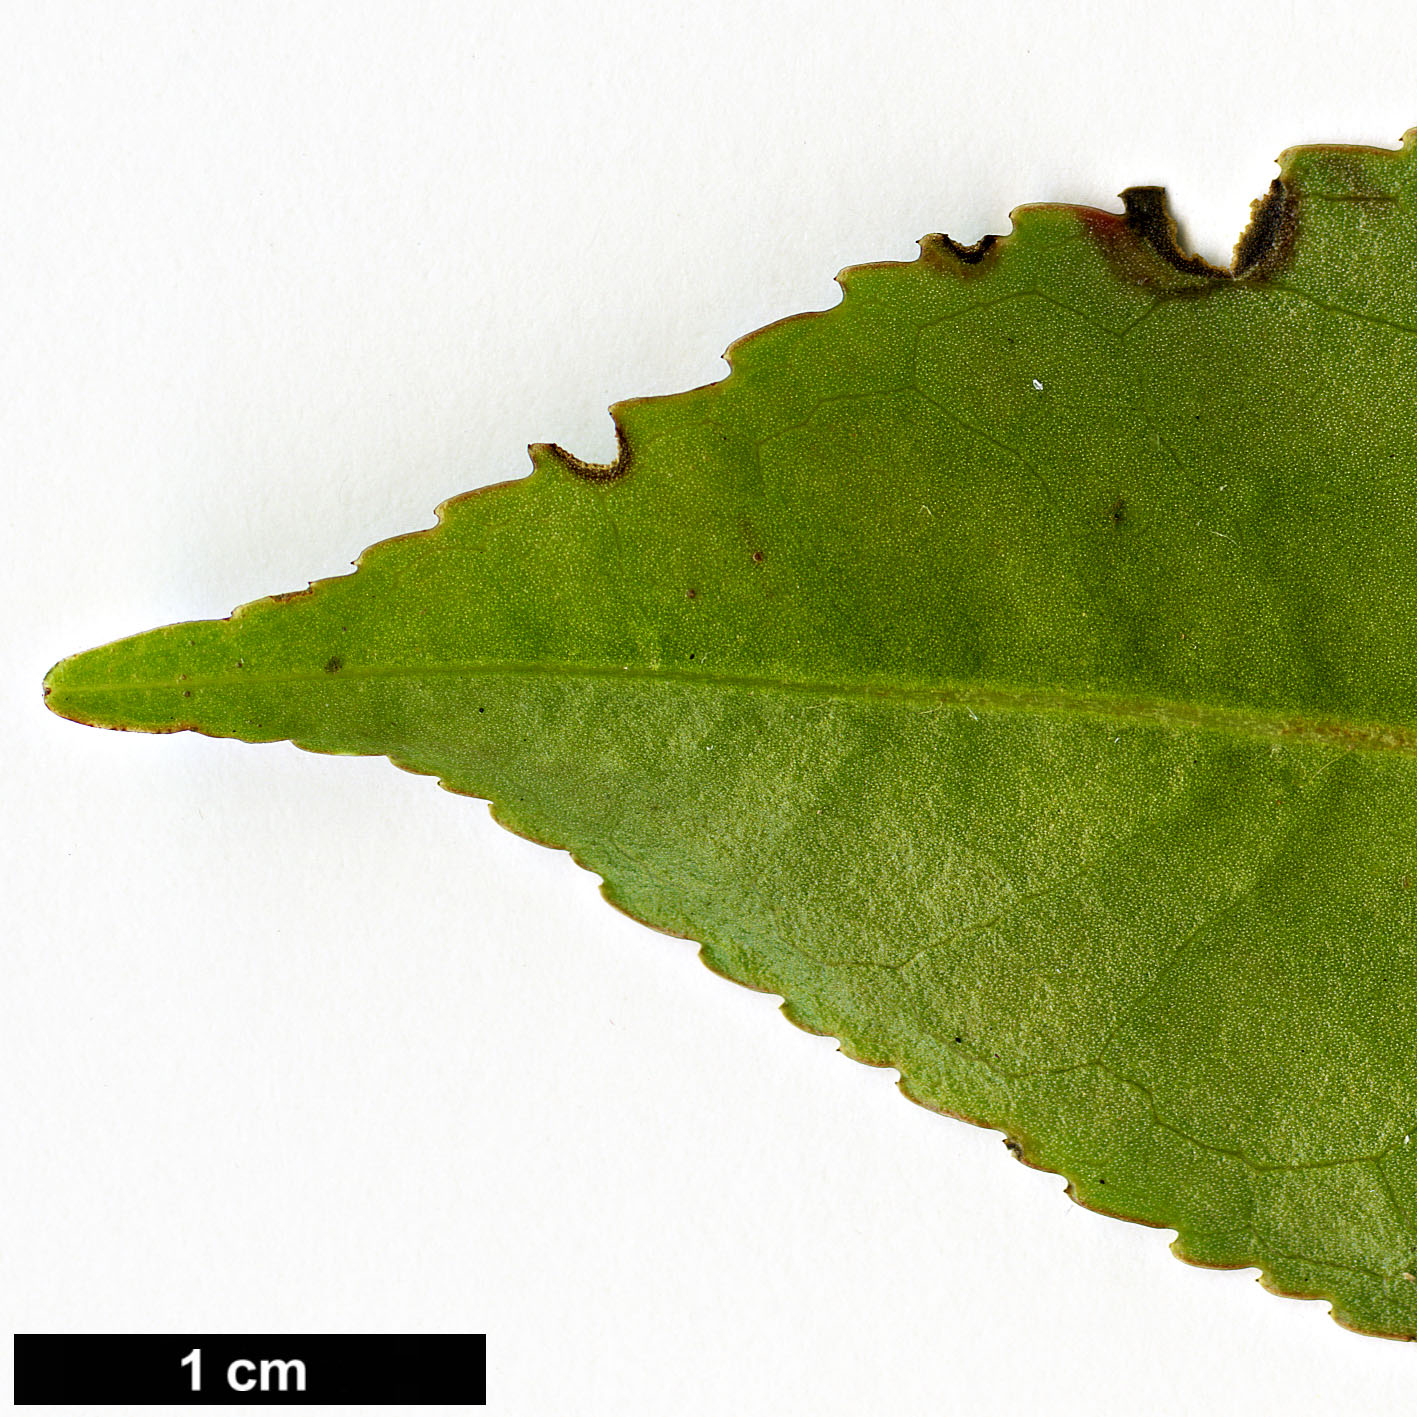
x,y
296,1043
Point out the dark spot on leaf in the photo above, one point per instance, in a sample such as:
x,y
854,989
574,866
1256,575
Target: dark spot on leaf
x,y
1014,1149
186,693
691,594
758,557
1118,511
333,665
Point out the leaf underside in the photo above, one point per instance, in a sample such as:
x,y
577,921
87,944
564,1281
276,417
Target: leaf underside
x,y
1014,667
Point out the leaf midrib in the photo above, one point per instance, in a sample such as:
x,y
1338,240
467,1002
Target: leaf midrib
x,y
1148,711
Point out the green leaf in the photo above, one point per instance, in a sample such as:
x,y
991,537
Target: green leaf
x,y
1014,667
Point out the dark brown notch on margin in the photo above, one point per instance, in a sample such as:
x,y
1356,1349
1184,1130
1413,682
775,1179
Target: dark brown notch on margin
x,y
1266,242
975,259
970,255
599,472
1263,245
1147,216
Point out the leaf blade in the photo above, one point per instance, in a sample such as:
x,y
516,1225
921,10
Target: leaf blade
x,y
1072,778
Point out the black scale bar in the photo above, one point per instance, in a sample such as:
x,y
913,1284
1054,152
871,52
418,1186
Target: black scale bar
x,y
250,1369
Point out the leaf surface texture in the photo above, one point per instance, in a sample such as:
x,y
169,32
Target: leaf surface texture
x,y
1012,667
